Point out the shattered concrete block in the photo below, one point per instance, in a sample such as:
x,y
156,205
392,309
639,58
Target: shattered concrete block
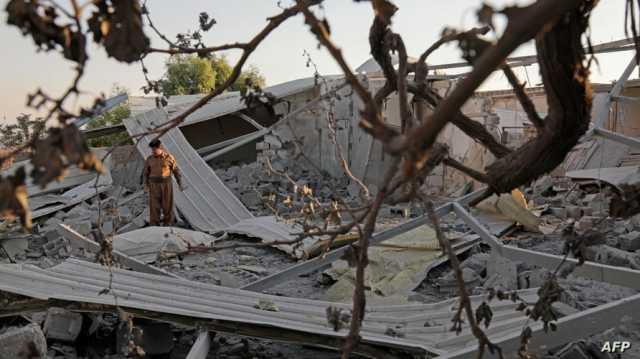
x,y
62,325
630,241
449,284
543,184
52,235
254,269
502,273
261,146
52,222
560,212
586,223
247,260
574,212
23,342
273,141
612,256
52,248
251,199
477,262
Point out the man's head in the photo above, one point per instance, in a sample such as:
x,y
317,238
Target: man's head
x,y
156,147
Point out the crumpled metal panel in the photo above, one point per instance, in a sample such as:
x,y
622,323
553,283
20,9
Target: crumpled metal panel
x,y
207,204
399,326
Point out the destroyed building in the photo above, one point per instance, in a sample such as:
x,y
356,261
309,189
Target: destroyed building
x,y
187,298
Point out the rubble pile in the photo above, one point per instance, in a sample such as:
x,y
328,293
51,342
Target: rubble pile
x,y
585,206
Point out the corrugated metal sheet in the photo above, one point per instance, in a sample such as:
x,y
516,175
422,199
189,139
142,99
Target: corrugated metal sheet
x,y
400,326
73,177
75,195
207,204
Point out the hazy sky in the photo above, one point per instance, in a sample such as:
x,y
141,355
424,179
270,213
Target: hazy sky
x,y
280,56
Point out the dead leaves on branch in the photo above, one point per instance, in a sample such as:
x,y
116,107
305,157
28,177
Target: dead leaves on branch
x,y
39,21
62,148
13,198
117,24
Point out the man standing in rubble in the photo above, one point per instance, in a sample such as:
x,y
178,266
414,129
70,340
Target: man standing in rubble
x,y
158,168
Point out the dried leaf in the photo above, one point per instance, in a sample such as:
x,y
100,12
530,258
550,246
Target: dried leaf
x,y
14,199
126,40
39,21
384,10
484,313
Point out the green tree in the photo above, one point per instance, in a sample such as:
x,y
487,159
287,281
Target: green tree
x,y
114,117
111,118
190,74
187,75
249,78
15,134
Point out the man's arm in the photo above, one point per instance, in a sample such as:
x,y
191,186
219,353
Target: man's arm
x,y
176,171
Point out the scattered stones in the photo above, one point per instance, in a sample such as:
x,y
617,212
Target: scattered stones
x,y
502,273
630,241
62,325
23,342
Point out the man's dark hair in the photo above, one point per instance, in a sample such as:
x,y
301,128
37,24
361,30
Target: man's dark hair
x,y
155,143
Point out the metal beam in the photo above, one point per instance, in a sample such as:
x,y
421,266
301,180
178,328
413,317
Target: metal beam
x,y
602,113
254,136
478,228
107,105
621,276
607,47
264,130
250,120
572,327
617,137
216,146
104,131
627,100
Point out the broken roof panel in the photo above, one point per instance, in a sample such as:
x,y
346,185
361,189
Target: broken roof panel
x,y
224,104
224,309
73,177
207,204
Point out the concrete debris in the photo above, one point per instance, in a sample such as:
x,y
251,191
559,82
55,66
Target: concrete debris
x,y
151,244
502,273
62,325
23,342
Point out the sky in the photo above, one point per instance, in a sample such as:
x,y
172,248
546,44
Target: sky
x,y
279,57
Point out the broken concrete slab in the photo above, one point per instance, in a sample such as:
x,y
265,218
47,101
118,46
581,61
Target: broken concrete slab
x,y
152,243
23,342
80,244
61,324
502,273
630,241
